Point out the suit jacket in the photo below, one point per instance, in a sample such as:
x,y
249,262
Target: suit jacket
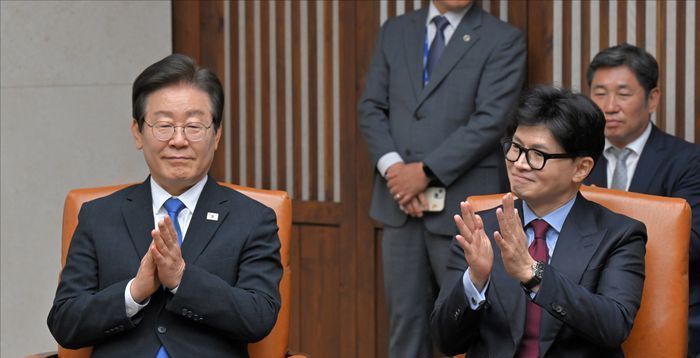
x,y
228,295
453,124
590,292
668,166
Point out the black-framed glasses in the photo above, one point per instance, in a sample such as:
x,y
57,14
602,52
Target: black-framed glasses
x,y
164,131
536,159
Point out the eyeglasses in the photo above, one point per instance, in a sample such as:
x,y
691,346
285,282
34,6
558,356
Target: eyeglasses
x,y
164,131
536,159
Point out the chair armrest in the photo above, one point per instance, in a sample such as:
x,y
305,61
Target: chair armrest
x,y
53,354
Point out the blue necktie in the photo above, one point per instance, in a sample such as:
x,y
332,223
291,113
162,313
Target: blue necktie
x,y
173,206
438,45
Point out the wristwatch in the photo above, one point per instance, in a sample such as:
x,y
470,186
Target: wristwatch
x,y
537,270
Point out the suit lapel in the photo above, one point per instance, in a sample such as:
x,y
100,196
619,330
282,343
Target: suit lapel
x,y
454,51
137,211
578,241
414,41
507,290
652,154
201,230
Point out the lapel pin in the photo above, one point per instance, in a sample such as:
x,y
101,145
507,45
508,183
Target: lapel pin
x,y
466,38
213,216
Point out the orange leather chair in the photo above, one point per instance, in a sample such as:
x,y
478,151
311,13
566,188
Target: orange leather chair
x,y
661,326
276,343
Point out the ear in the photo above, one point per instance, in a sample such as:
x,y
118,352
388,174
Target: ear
x,y
653,100
218,136
138,139
584,165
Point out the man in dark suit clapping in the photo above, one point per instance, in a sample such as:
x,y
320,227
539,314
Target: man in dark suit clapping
x,y
550,274
177,266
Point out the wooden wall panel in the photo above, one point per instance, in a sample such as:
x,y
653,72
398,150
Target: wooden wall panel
x,y
367,19
321,296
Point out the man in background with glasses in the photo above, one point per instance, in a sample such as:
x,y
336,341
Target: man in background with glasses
x,y
176,265
551,273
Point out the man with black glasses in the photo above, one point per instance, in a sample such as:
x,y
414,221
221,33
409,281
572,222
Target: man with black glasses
x,y
551,273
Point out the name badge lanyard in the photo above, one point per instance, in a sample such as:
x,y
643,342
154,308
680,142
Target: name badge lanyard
x,y
426,49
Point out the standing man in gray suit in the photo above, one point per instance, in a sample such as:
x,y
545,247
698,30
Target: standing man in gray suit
x,y
439,88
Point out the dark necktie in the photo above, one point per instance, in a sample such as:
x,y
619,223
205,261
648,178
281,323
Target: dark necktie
x,y
173,206
438,45
529,346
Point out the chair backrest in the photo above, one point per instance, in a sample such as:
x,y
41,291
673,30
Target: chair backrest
x,y
276,343
661,326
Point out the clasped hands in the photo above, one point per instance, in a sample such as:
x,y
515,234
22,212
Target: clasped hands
x,y
510,238
407,182
162,263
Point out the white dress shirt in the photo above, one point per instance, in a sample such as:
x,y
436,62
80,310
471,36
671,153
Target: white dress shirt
x,y
636,147
454,18
159,196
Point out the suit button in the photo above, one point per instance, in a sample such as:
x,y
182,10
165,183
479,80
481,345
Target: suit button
x,y
162,329
557,308
189,314
184,311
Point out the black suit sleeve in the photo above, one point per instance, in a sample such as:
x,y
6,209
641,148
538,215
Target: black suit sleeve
x,y
455,326
83,313
602,307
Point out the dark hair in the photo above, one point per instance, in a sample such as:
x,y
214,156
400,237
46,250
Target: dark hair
x,y
640,62
172,70
576,123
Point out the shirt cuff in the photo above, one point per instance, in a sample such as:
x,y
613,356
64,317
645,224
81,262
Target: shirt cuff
x,y
132,307
386,161
474,296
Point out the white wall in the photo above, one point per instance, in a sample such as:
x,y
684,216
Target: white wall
x,y
66,70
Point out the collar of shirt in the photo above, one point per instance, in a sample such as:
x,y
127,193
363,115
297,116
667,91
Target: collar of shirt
x,y
454,18
636,146
555,219
189,198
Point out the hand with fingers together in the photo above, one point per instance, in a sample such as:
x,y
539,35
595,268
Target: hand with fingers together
x,y
475,244
166,254
512,241
146,281
416,206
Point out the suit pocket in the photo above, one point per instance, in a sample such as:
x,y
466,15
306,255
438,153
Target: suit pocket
x,y
591,277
